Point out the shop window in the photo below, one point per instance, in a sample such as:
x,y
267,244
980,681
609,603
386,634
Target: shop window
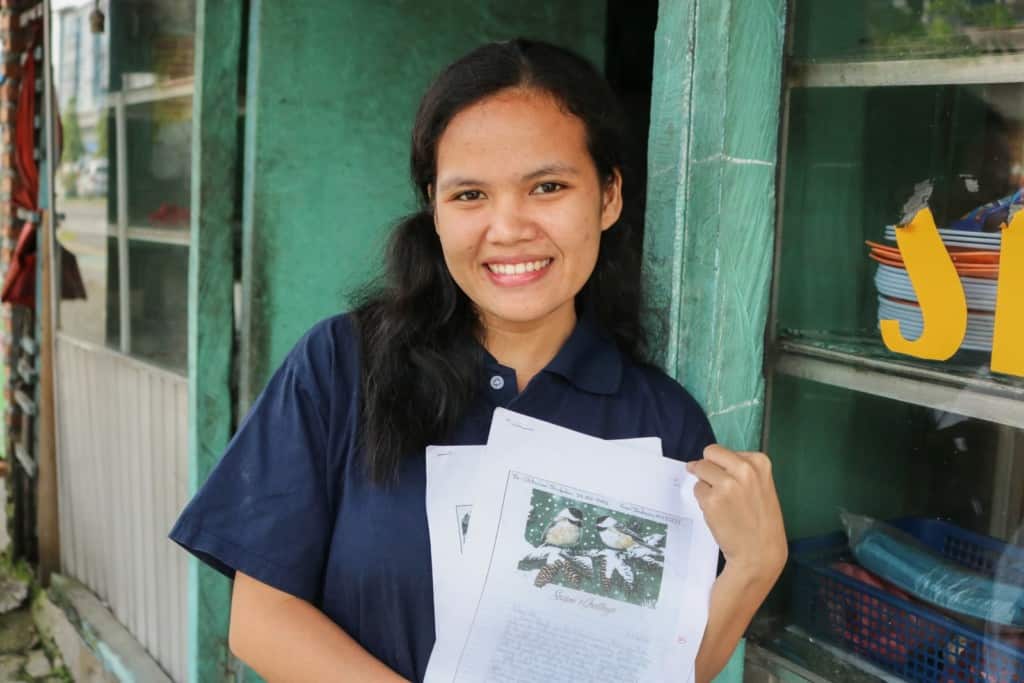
x,y
894,108
124,184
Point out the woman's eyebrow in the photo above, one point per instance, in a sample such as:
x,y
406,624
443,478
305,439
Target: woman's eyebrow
x,y
552,169
457,181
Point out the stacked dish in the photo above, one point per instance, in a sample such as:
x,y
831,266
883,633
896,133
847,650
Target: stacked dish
x,y
975,256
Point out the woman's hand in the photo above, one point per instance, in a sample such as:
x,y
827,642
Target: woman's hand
x,y
737,494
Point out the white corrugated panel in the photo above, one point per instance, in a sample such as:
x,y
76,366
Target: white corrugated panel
x,y
122,469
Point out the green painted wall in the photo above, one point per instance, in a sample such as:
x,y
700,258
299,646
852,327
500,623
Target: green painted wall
x,y
215,161
327,141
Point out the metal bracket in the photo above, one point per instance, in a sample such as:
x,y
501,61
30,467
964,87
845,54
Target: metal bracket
x,y
26,404
26,460
26,371
30,216
29,346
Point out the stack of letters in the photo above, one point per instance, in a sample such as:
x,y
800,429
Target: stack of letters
x,y
561,557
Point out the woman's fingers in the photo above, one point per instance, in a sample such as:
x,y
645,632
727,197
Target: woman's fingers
x,y
723,457
709,472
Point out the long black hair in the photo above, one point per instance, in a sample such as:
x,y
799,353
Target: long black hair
x,y
419,333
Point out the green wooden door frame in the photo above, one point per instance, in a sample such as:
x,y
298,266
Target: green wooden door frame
x,y
210,315
708,246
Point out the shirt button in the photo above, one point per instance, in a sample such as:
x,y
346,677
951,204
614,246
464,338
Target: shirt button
x,y
497,382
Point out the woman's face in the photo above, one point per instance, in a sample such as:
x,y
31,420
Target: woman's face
x,y
520,208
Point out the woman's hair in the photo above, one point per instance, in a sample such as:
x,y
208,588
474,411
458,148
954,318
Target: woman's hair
x,y
420,334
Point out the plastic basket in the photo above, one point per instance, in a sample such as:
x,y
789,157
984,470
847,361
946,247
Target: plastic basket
x,y
906,638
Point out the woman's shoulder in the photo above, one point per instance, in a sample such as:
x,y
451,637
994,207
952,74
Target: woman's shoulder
x,y
658,385
678,416
334,334
327,353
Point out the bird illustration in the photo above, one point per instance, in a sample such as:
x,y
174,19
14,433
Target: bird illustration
x,y
618,537
564,530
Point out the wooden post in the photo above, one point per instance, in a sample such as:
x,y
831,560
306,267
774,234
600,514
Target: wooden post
x,y
47,520
47,489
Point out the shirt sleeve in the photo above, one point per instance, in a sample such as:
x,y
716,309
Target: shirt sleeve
x,y
264,508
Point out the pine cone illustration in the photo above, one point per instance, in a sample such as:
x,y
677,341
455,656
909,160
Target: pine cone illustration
x,y
573,573
548,573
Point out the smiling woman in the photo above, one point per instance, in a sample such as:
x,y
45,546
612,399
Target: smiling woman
x,y
527,148
514,285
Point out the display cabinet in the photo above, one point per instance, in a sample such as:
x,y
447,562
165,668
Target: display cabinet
x,y
891,107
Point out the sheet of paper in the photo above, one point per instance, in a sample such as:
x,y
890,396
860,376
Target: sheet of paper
x,y
451,473
588,565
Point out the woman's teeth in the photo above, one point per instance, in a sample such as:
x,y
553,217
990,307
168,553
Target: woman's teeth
x,y
517,268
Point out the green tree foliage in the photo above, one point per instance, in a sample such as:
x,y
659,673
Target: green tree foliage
x,y
73,146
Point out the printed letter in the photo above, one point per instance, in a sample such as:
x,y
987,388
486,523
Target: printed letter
x,y
939,293
1008,340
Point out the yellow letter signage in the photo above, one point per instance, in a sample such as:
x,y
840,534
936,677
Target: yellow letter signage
x,y
943,303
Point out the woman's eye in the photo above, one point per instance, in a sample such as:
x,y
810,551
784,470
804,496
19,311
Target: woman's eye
x,y
548,188
468,196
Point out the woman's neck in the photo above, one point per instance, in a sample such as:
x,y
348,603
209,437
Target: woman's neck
x,y
528,347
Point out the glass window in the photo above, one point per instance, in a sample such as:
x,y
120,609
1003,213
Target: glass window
x,y
84,185
159,302
127,122
159,176
855,158
898,435
906,29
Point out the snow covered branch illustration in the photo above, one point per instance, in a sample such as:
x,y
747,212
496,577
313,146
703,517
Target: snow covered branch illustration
x,y
594,550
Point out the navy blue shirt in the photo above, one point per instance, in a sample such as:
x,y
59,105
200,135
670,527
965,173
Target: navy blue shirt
x,y
289,505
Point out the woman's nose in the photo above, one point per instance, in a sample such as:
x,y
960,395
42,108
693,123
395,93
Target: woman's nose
x,y
510,223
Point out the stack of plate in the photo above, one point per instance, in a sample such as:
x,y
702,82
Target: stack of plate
x,y
975,256
982,241
979,325
895,283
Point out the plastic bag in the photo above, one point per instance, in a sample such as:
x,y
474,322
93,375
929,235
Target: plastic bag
x,y
908,564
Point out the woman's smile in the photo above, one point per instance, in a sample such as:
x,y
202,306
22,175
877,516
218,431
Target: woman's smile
x,y
518,271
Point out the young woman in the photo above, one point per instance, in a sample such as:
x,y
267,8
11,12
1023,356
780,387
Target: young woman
x,y
514,285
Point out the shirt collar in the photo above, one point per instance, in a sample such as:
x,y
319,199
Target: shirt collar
x,y
589,359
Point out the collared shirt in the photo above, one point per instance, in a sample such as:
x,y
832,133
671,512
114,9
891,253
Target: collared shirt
x,y
289,504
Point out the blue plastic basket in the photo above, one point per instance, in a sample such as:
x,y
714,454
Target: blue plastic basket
x,y
906,638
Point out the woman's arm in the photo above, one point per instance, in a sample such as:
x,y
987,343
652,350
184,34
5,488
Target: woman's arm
x,y
737,494
284,638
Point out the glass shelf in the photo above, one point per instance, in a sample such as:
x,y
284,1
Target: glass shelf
x,y
962,386
974,70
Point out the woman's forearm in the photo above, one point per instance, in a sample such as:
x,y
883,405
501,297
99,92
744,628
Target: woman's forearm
x,y
283,638
735,598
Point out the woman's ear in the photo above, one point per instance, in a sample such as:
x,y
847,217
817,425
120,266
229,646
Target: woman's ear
x,y
611,200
